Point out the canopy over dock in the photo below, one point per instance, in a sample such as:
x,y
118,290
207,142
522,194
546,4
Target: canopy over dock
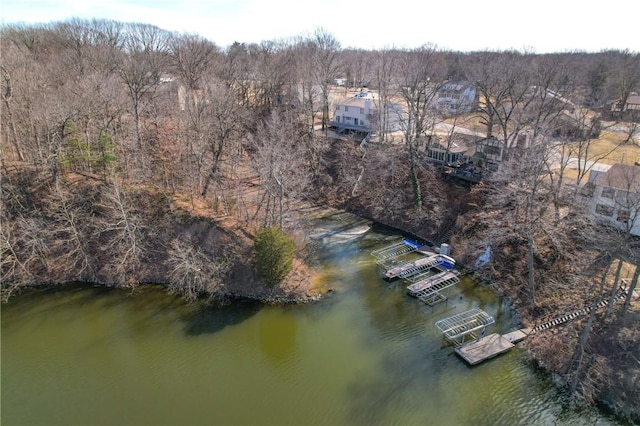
x,y
465,325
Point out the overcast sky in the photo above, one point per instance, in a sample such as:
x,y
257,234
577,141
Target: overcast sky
x,y
464,25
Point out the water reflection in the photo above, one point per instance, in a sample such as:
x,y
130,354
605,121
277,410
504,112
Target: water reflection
x,y
277,335
208,319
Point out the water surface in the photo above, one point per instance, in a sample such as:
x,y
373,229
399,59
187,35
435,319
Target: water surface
x,y
367,354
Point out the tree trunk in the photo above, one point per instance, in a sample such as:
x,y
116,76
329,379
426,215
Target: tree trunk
x,y
530,268
614,291
630,290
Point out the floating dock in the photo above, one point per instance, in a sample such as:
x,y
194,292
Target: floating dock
x,y
489,346
484,348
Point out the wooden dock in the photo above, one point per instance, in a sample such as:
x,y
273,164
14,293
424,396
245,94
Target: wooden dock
x,y
490,346
482,349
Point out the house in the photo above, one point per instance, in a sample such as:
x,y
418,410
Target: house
x,y
632,103
616,197
489,153
456,98
360,113
454,152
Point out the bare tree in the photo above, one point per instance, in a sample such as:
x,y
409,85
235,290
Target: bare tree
x,y
421,75
384,70
326,66
193,272
121,235
193,57
278,157
144,61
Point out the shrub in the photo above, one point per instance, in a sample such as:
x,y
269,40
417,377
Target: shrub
x,y
273,250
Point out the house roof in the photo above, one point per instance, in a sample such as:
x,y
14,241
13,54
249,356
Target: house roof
x,y
621,176
455,86
633,99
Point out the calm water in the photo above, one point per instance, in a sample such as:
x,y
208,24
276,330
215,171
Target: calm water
x,y
367,354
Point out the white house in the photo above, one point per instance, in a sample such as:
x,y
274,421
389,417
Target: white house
x,y
456,98
361,112
616,197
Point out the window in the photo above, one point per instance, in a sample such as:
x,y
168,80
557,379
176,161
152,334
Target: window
x,y
361,110
346,109
355,121
608,192
604,210
492,150
623,216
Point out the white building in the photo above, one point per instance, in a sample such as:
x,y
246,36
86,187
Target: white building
x,y
361,113
456,98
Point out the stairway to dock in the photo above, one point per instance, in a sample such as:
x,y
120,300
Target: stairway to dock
x,y
573,315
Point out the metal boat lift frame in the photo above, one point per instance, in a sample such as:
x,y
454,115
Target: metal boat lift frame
x,y
389,255
464,326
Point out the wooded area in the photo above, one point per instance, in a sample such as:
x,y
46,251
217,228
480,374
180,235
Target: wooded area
x,y
119,138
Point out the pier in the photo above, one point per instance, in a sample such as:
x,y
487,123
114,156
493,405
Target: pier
x,y
483,349
459,328
429,275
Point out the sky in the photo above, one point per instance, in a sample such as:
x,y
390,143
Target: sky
x,y
540,26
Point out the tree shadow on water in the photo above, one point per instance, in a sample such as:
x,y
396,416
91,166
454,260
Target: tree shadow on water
x,y
212,318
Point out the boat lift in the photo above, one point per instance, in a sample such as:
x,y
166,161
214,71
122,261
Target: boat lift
x,y
465,326
389,255
430,290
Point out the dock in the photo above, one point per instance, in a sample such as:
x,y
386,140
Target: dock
x,y
490,346
484,348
